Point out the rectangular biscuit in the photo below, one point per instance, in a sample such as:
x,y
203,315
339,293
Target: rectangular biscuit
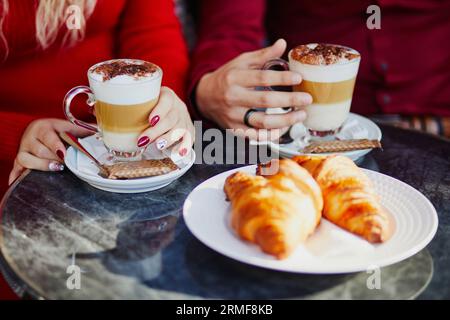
x,y
341,145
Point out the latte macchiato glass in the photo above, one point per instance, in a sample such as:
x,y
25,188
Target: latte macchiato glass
x,y
123,92
329,74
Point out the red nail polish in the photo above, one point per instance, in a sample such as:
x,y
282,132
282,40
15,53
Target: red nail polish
x,y
143,141
60,154
183,152
154,121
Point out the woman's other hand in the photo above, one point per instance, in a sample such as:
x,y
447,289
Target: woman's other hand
x,y
170,124
41,148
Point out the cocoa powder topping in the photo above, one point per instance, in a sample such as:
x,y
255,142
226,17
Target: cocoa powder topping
x,y
322,54
118,68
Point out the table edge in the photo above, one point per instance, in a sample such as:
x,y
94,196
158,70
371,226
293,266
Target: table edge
x,y
6,267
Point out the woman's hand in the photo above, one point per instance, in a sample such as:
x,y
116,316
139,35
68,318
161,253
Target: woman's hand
x,y
41,148
170,123
226,94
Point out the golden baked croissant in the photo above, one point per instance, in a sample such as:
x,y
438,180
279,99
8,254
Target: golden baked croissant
x,y
350,200
275,212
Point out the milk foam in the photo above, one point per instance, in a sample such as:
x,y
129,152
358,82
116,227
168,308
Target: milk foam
x,y
326,73
123,78
341,70
125,89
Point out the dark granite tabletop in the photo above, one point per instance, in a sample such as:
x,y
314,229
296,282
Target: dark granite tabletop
x,y
138,247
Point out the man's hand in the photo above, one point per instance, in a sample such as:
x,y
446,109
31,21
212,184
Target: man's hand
x,y
226,94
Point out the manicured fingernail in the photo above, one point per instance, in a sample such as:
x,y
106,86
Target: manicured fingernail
x,y
154,121
161,144
55,166
183,152
143,141
296,78
60,154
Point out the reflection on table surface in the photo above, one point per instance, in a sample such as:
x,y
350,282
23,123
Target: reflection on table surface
x,y
137,246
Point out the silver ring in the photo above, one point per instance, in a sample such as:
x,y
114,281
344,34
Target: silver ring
x,y
247,117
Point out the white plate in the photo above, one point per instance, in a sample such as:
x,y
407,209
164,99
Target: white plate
x,y
123,186
330,249
363,123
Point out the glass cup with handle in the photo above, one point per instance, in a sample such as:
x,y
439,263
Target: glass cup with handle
x,y
122,104
330,85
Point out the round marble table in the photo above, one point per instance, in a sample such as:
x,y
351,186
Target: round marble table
x,y
138,247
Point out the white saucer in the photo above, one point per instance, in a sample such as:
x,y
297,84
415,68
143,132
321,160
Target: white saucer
x,y
330,249
362,123
73,158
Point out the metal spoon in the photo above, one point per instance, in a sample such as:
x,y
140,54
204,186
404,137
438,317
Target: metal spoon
x,y
73,141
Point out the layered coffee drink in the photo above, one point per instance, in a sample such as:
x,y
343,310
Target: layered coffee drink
x,y
329,74
125,93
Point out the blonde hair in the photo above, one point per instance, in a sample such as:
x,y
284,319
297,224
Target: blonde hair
x,y
51,16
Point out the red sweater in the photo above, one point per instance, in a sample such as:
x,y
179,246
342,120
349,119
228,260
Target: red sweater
x,y
405,66
33,82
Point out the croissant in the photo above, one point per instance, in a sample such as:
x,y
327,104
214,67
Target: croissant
x,y
276,212
350,200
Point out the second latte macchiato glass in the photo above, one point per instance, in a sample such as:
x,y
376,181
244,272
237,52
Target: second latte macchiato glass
x,y
328,75
123,92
